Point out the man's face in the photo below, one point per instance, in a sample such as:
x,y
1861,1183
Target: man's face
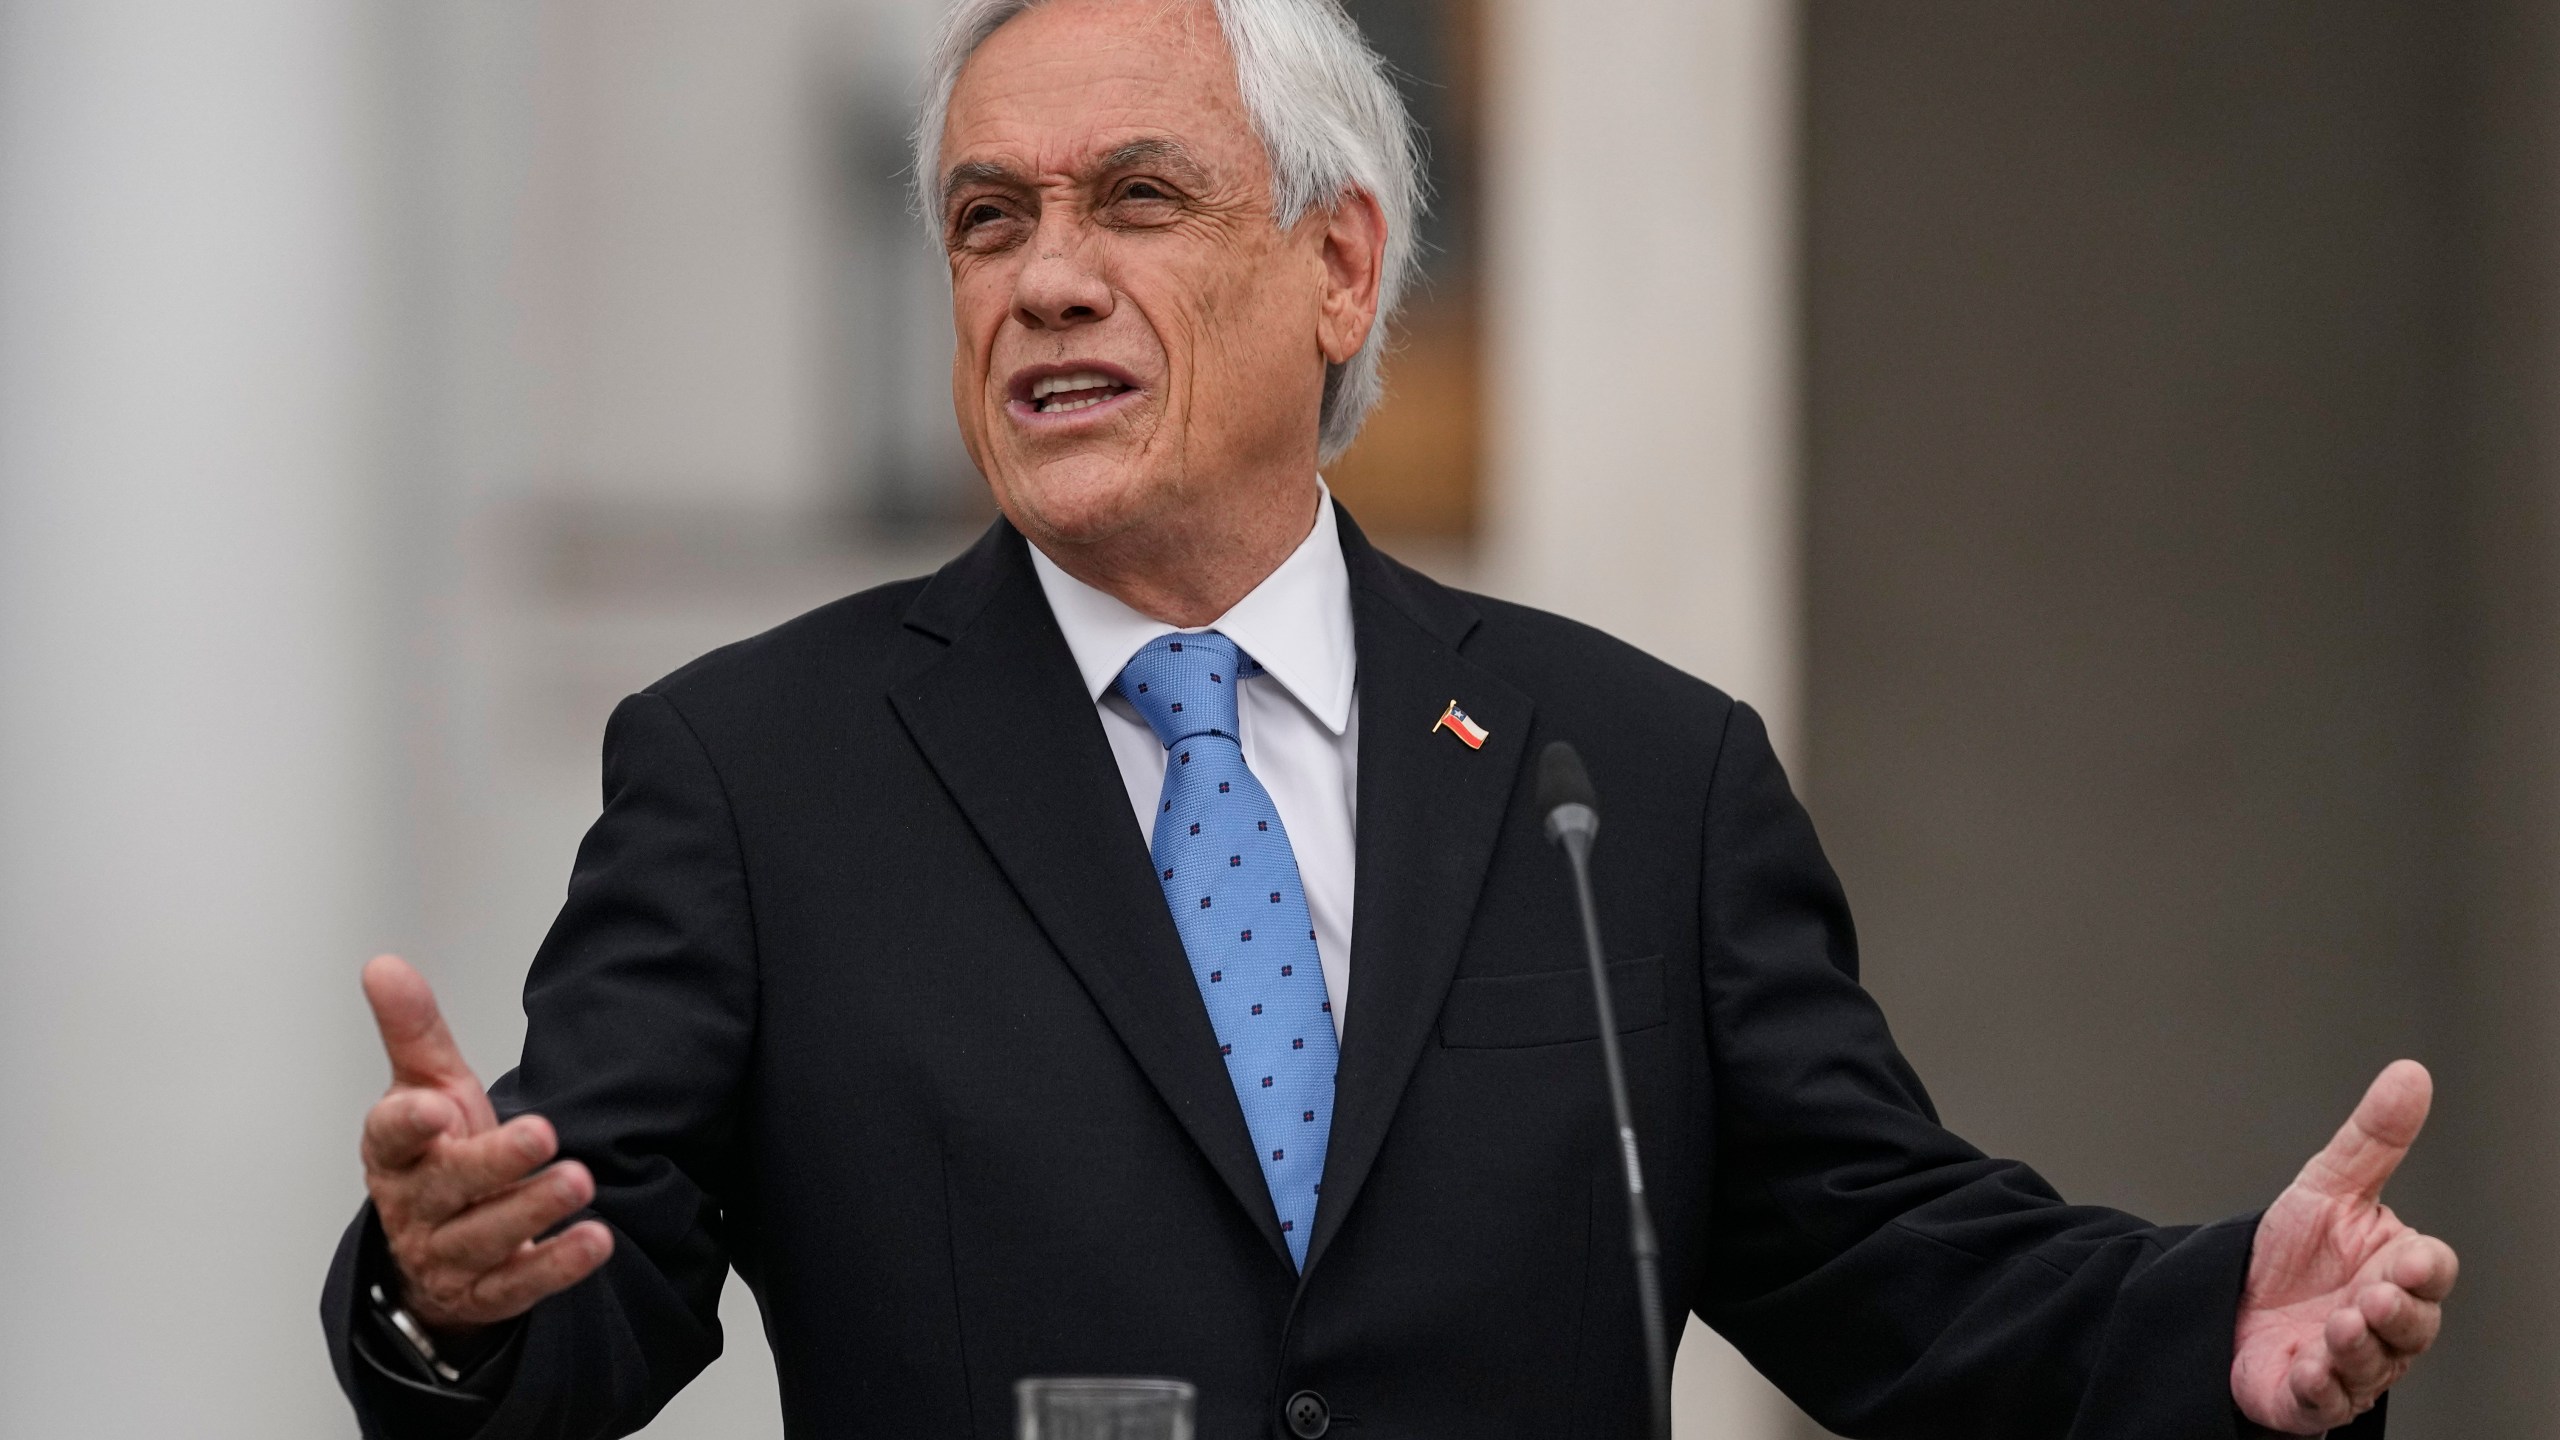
x,y
1133,330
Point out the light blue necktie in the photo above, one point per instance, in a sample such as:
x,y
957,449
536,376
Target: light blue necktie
x,y
1232,882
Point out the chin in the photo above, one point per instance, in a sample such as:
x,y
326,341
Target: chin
x,y
1078,499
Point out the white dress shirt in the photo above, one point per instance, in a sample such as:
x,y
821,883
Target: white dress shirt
x,y
1299,717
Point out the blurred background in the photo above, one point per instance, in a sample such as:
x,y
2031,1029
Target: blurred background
x,y
2118,445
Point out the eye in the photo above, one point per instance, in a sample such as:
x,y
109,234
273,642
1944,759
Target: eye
x,y
1145,202
985,224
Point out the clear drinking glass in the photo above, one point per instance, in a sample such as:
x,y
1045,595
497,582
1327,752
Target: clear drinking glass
x,y
1103,1408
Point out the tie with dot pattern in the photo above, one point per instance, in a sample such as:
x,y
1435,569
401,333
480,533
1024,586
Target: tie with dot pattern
x,y
1232,882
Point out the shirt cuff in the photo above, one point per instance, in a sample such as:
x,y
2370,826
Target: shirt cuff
x,y
405,1405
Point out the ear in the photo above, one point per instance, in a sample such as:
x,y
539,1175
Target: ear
x,y
1354,248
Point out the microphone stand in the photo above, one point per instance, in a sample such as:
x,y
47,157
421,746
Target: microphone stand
x,y
1573,820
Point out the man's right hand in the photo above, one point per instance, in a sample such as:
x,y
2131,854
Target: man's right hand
x,y
463,1199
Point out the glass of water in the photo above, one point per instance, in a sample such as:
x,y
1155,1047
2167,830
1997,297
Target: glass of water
x,y
1103,1408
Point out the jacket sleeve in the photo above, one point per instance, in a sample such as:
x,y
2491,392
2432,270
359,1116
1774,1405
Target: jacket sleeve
x,y
640,1014
1890,1278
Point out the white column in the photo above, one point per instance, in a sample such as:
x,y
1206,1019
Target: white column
x,y
186,728
1640,314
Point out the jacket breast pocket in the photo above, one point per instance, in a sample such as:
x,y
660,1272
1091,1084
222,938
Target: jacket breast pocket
x,y
1551,1007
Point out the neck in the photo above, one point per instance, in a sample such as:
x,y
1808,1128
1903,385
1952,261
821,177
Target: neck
x,y
1188,570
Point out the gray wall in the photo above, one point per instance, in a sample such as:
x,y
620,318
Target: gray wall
x,y
2179,557
2502,1059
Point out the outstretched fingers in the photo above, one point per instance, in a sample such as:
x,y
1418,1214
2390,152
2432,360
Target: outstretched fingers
x,y
2359,1360
2318,1397
485,1235
2405,1324
470,1168
2423,1265
2365,1347
403,1125
2359,1160
542,1268
2401,1299
2329,1243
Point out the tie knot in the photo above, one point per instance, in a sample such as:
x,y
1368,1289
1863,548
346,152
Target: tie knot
x,y
1185,685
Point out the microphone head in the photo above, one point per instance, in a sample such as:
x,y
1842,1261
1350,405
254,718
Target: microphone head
x,y
1565,796
1562,780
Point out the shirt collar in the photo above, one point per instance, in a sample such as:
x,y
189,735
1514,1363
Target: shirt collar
x,y
1296,624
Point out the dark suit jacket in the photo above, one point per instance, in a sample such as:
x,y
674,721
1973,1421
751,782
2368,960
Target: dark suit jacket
x,y
864,986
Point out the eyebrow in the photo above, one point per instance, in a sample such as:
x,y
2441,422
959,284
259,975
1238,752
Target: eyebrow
x,y
977,172
1153,151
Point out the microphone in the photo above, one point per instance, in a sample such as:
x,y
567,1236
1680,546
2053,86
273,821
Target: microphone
x,y
1572,813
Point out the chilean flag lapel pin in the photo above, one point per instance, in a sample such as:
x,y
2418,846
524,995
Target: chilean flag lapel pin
x,y
1456,722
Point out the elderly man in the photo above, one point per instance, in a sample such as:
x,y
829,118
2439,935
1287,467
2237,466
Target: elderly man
x,y
1133,949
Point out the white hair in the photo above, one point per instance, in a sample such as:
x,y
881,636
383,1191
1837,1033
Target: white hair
x,y
1329,119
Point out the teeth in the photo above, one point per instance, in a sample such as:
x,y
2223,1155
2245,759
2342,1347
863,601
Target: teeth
x,y
1080,380
1063,406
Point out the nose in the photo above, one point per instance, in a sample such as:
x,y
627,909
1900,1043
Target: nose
x,y
1058,289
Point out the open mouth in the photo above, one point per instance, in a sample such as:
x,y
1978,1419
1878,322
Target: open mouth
x,y
1068,391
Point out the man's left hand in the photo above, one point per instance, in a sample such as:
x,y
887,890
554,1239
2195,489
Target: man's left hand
x,y
2341,1296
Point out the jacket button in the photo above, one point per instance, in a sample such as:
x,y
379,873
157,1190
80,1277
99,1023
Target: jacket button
x,y
1307,1415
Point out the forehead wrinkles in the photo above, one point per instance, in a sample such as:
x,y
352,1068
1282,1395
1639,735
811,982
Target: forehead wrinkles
x,y
1087,161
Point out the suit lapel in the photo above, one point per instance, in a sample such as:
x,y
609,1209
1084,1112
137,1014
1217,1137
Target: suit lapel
x,y
1003,718
1430,811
